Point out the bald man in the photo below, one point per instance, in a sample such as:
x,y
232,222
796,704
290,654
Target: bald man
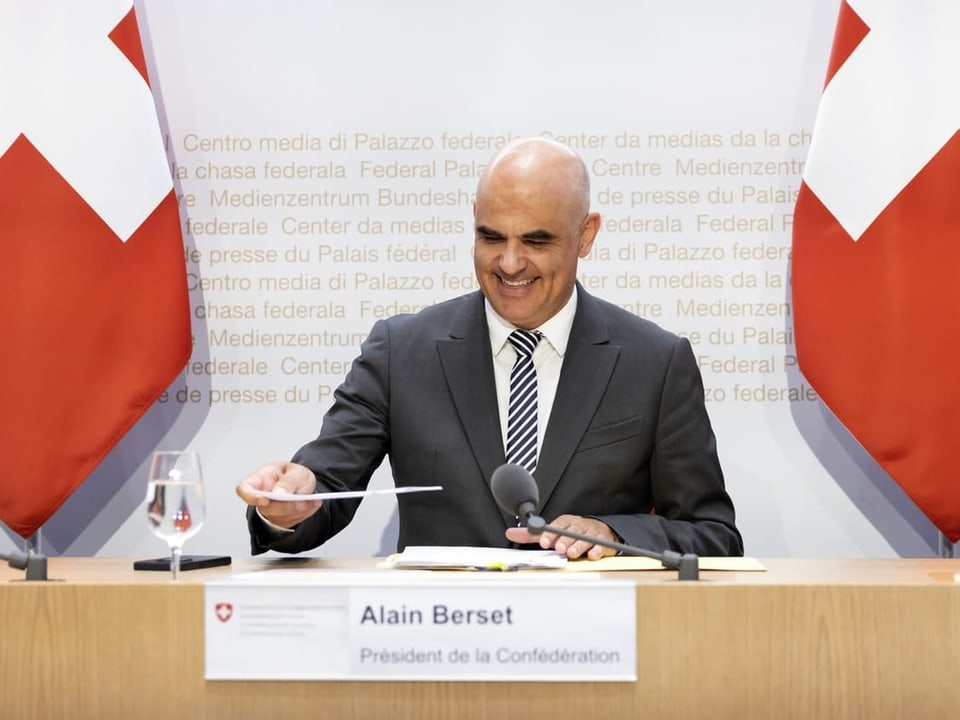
x,y
623,446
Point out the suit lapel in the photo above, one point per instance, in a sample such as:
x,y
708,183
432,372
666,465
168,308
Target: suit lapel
x,y
587,367
468,370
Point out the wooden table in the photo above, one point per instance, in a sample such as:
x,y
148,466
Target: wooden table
x,y
807,639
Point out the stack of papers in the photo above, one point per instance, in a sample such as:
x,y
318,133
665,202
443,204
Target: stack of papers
x,y
475,558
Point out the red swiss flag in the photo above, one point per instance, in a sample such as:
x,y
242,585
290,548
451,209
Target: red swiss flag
x,y
95,314
876,245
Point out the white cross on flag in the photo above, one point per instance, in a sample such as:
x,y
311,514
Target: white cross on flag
x,y
95,312
876,244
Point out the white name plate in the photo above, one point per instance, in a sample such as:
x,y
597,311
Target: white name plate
x,y
420,626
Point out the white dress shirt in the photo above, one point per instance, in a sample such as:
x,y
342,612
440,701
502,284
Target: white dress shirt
x,y
547,359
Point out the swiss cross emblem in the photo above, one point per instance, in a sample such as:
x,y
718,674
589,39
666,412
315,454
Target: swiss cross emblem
x,y
224,611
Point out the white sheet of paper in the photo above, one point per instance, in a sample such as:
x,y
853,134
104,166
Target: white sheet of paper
x,y
290,497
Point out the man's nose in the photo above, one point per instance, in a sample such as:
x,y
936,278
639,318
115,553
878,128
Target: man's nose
x,y
513,259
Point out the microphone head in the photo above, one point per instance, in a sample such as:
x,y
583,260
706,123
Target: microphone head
x,y
515,490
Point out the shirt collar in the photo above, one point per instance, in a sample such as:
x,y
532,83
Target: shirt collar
x,y
556,330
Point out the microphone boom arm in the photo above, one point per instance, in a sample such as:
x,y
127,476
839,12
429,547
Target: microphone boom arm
x,y
687,565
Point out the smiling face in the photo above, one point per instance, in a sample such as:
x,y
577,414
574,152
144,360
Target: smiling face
x,y
532,224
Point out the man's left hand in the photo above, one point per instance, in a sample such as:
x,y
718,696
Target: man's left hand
x,y
573,549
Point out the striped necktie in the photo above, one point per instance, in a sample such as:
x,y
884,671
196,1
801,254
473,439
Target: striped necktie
x,y
522,411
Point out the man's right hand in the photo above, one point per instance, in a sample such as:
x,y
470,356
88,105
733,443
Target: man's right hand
x,y
286,477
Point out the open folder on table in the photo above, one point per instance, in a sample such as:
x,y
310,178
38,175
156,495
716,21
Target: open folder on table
x,y
486,558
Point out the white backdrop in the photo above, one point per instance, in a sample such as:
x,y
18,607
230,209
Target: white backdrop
x,y
327,153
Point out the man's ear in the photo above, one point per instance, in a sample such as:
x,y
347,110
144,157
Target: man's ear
x,y
588,233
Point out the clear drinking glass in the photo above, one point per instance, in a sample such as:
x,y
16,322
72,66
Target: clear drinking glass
x,y
176,502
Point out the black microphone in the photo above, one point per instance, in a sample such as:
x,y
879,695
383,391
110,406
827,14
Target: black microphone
x,y
516,492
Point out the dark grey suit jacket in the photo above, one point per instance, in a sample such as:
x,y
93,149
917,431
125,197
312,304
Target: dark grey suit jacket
x,y
628,440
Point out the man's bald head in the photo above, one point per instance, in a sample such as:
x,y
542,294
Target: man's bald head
x,y
541,163
532,223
